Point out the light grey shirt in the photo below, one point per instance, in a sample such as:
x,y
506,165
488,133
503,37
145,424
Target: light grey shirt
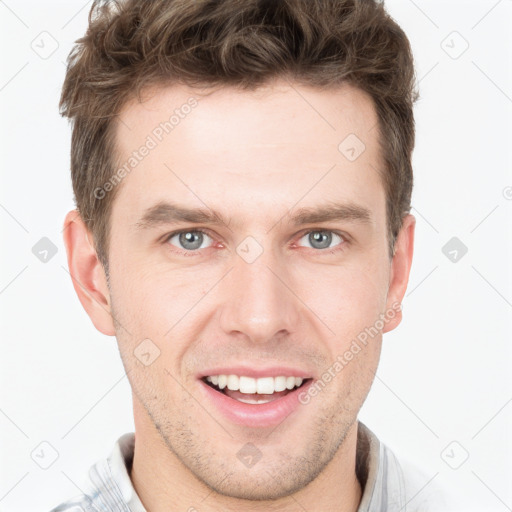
x,y
388,485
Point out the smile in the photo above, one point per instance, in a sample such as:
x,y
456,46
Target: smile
x,y
261,402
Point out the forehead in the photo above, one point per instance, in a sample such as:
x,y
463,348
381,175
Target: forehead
x,y
277,145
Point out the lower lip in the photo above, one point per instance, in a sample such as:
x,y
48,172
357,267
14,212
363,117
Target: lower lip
x,y
255,415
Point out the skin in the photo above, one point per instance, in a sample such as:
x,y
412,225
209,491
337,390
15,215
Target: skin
x,y
255,157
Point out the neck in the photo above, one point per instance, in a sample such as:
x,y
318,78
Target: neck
x,y
164,483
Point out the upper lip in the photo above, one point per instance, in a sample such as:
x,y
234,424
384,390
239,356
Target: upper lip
x,y
251,371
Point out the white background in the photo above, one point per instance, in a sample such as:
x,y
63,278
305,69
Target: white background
x,y
445,372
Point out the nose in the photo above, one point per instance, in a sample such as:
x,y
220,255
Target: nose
x,y
258,300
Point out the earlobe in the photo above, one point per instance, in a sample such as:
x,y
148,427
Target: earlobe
x,y
400,269
87,273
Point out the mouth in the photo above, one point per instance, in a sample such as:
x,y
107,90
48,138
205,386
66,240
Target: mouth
x,y
265,394
256,398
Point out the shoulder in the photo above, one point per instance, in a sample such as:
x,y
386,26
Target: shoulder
x,y
80,503
420,491
108,486
396,484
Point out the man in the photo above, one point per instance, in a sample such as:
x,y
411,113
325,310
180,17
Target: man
x,y
242,174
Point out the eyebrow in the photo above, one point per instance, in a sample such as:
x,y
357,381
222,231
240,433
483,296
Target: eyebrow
x,y
169,213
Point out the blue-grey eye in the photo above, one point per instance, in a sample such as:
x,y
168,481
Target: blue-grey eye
x,y
321,239
190,240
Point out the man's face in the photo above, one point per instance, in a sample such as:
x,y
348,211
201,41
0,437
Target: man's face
x,y
260,290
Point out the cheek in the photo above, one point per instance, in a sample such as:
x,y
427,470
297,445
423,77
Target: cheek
x,y
159,306
355,300
351,307
348,298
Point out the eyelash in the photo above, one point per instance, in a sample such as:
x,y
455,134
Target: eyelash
x,y
339,248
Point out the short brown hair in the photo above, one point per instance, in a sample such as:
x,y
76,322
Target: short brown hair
x,y
134,44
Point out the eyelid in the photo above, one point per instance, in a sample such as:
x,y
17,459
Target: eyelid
x,y
205,231
341,234
339,247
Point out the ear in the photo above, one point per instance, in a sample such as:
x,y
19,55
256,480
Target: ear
x,y
87,274
400,268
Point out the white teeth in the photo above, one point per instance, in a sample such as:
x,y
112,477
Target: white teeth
x,y
233,383
249,385
223,380
251,401
264,385
280,383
